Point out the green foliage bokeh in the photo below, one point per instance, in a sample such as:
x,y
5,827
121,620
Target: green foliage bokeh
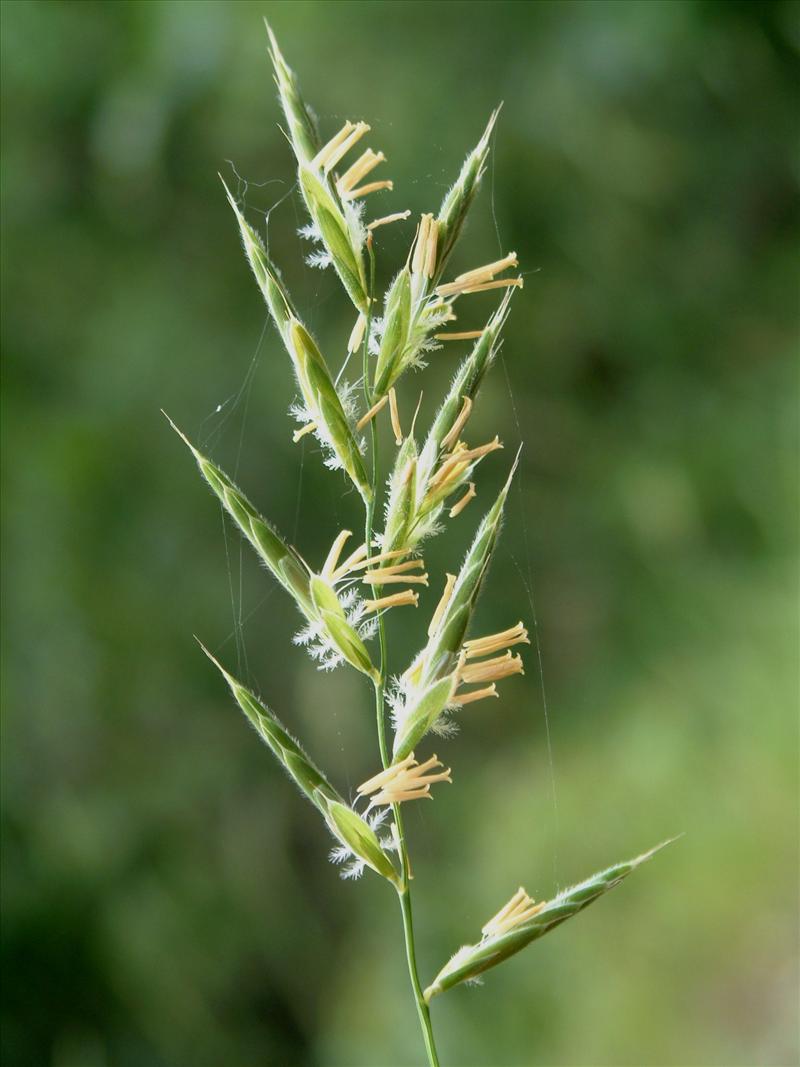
x,y
167,900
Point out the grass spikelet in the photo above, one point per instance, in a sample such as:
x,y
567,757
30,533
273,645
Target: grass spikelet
x,y
511,937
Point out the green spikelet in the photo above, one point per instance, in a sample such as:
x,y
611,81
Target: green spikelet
x,y
311,371
302,128
400,509
281,559
345,824
472,960
339,235
397,330
430,681
439,655
458,201
466,382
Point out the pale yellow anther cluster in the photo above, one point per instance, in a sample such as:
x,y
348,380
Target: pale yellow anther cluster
x,y
339,145
487,672
405,780
455,463
518,910
423,260
397,572
483,278
491,670
337,148
484,646
376,572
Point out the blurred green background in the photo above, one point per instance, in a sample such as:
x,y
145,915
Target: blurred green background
x,y
167,898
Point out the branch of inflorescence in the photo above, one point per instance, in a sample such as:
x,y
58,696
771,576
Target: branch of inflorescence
x,y
404,891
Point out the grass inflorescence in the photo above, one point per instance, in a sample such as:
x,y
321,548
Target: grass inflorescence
x,y
343,600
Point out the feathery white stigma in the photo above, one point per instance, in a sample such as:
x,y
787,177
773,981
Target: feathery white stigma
x,y
518,910
406,780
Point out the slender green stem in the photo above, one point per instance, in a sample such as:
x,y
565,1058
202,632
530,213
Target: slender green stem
x,y
403,893
423,1011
